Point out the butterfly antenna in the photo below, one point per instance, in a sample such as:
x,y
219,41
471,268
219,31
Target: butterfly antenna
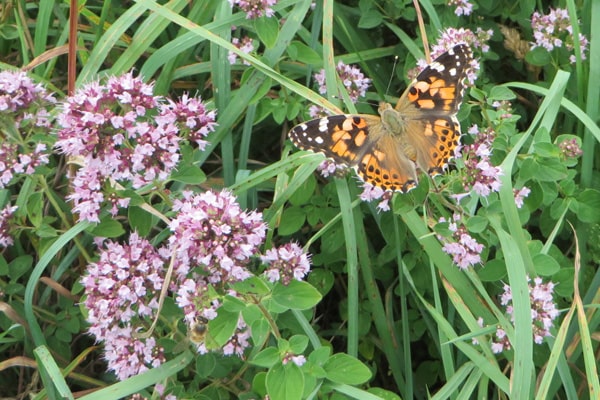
x,y
387,89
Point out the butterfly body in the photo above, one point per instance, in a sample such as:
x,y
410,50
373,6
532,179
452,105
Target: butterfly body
x,y
420,133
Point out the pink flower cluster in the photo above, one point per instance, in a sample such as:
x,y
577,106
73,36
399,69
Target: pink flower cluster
x,y
543,312
286,263
15,162
5,224
463,7
465,250
480,175
121,132
21,95
245,45
255,8
122,290
353,79
570,148
555,30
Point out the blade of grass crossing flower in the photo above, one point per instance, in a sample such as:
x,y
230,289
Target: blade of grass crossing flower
x,y
403,294
42,28
575,24
145,35
54,383
523,372
588,349
392,352
221,76
556,354
143,380
38,270
453,384
348,223
487,366
109,39
592,97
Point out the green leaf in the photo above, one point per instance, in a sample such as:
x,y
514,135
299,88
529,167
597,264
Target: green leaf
x,y
267,30
292,219
298,51
20,266
298,344
285,382
296,296
189,174
35,211
108,228
140,220
370,19
223,326
492,271
499,93
545,149
545,265
587,206
343,368
266,358
305,192
259,329
538,57
477,224
253,285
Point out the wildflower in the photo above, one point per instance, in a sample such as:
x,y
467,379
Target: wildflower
x,y
353,79
298,360
371,192
238,341
19,94
255,8
315,112
16,159
123,133
543,312
570,148
211,232
330,168
5,225
504,108
286,263
520,195
555,30
465,250
122,290
481,176
245,45
463,7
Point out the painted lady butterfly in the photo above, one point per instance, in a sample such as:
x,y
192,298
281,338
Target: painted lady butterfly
x,y
420,132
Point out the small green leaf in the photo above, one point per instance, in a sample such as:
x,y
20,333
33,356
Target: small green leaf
x,y
545,265
223,326
343,368
260,330
35,211
20,266
298,344
298,51
545,149
477,224
108,228
267,30
285,382
292,219
189,174
296,296
587,206
253,285
499,93
370,19
266,358
140,220
538,57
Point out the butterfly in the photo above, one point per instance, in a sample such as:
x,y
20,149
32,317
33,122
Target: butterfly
x,y
420,133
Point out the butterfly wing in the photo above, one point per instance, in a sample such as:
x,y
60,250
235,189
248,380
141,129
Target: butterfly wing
x,y
428,110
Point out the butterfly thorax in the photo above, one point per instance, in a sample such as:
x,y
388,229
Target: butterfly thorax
x,y
393,122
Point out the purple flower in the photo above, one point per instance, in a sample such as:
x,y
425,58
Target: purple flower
x,y
463,7
480,175
353,79
520,195
121,132
286,263
464,249
555,30
245,45
121,295
570,148
212,233
543,313
5,225
19,94
255,8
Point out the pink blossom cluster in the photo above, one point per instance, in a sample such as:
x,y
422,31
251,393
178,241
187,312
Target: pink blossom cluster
x,y
255,8
6,215
245,44
481,175
463,7
464,249
570,148
352,78
122,290
555,30
286,263
121,132
19,94
543,313
520,195
15,162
